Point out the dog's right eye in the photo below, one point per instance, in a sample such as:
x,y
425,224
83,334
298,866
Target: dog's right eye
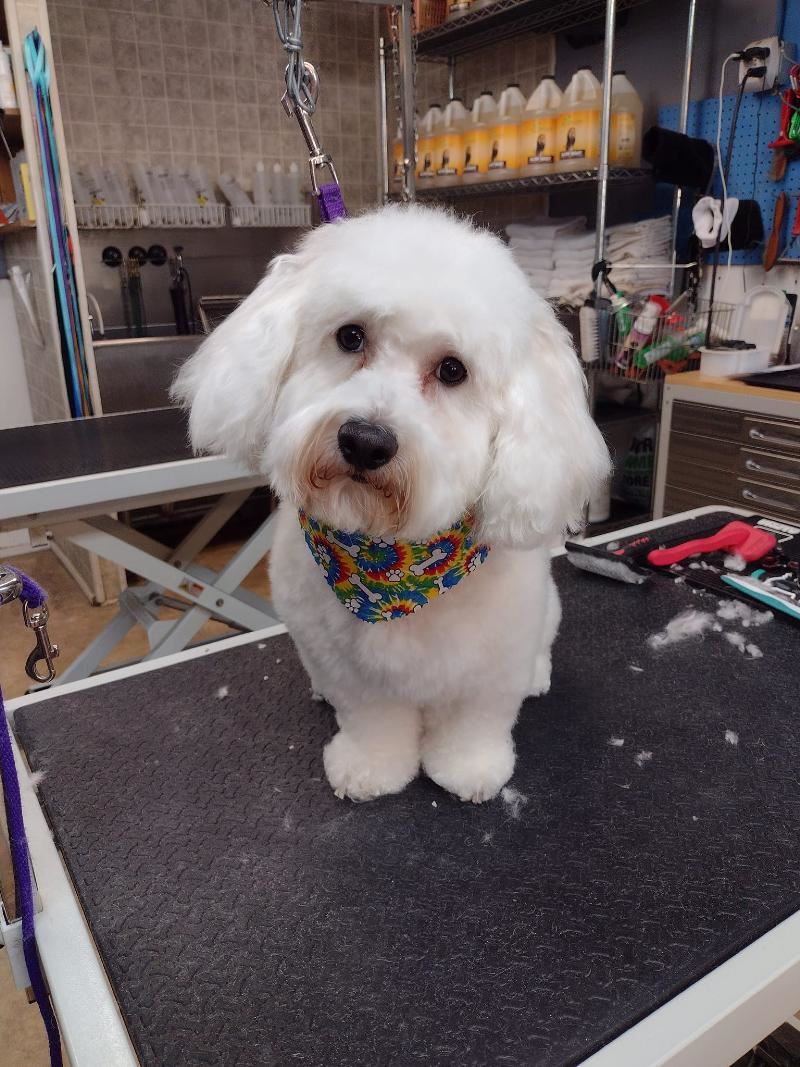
x,y
351,338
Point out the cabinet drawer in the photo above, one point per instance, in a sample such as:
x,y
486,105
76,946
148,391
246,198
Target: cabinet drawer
x,y
703,452
677,500
706,480
705,421
769,499
775,435
770,467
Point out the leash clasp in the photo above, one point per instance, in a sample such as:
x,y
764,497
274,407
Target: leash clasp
x,y
45,651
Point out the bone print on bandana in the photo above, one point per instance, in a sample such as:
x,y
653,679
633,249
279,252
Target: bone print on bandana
x,y
385,579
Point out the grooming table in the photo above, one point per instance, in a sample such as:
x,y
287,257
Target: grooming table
x,y
624,915
69,477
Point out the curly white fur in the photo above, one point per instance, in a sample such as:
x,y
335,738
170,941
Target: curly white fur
x,y
514,443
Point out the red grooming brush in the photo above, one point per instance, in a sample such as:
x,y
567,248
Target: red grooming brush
x,y
746,541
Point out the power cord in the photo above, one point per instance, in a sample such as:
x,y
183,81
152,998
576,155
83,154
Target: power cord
x,y
724,169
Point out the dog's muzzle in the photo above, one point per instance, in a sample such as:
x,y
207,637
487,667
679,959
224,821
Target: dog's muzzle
x,y
365,445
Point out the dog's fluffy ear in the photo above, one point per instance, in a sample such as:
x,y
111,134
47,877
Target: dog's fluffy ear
x,y
548,455
232,382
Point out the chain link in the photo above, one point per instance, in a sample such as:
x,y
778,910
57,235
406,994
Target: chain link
x,y
302,86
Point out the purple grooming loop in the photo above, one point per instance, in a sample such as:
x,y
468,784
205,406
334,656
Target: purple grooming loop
x,y
32,596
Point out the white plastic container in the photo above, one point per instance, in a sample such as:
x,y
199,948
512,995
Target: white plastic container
x,y
8,94
625,144
233,192
450,158
261,190
429,145
478,139
458,7
293,193
505,155
726,362
579,123
538,130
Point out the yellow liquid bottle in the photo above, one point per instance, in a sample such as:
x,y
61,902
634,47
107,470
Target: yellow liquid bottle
x,y
625,144
428,146
504,156
450,159
478,139
579,123
538,130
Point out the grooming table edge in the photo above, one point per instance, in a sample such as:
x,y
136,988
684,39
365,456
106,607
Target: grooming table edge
x,y
711,1023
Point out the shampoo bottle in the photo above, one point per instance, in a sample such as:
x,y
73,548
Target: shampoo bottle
x,y
504,156
478,139
579,123
539,129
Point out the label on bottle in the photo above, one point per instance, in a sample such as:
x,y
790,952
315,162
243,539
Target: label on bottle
x,y
451,155
538,140
623,137
426,169
504,148
477,150
579,134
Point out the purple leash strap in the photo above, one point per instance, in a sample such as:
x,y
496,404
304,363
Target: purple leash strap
x,y
331,202
33,596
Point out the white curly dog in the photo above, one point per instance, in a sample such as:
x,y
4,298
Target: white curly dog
x,y
391,376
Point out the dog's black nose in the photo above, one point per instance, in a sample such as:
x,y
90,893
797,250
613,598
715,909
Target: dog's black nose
x,y
365,445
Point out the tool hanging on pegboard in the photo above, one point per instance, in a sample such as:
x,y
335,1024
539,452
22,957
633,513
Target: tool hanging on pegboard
x,y
787,144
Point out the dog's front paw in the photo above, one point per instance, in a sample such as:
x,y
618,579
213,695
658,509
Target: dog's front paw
x,y
474,770
359,772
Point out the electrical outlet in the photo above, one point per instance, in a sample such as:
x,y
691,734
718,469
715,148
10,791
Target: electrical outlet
x,y
772,63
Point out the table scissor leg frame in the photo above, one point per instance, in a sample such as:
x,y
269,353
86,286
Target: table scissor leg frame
x,y
171,570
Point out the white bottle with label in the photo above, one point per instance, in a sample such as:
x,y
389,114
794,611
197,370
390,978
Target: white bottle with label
x,y
429,142
261,191
293,184
625,144
478,139
504,159
450,158
579,123
538,130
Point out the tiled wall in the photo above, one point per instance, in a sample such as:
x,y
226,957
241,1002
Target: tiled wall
x,y
184,81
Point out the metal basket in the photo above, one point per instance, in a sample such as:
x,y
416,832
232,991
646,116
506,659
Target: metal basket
x,y
641,344
289,215
107,216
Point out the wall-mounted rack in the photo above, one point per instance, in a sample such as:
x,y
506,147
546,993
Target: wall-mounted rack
x,y
578,179
503,19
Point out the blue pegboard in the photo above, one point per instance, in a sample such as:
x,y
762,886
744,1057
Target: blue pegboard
x,y
758,124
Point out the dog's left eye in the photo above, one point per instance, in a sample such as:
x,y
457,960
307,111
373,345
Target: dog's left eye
x,y
351,338
451,371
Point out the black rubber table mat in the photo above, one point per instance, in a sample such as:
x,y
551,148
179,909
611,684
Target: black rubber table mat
x,y
54,450
247,917
785,379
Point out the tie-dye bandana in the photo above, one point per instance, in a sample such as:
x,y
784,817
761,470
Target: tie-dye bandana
x,y
386,579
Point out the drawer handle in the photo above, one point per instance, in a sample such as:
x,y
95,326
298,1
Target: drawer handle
x,y
780,442
748,494
773,472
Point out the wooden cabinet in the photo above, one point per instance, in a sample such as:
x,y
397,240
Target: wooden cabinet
x,y
741,448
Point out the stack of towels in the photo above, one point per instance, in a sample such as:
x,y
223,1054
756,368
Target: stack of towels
x,y
557,255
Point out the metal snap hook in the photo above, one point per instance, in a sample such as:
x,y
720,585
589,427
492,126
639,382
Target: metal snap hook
x,y
45,651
